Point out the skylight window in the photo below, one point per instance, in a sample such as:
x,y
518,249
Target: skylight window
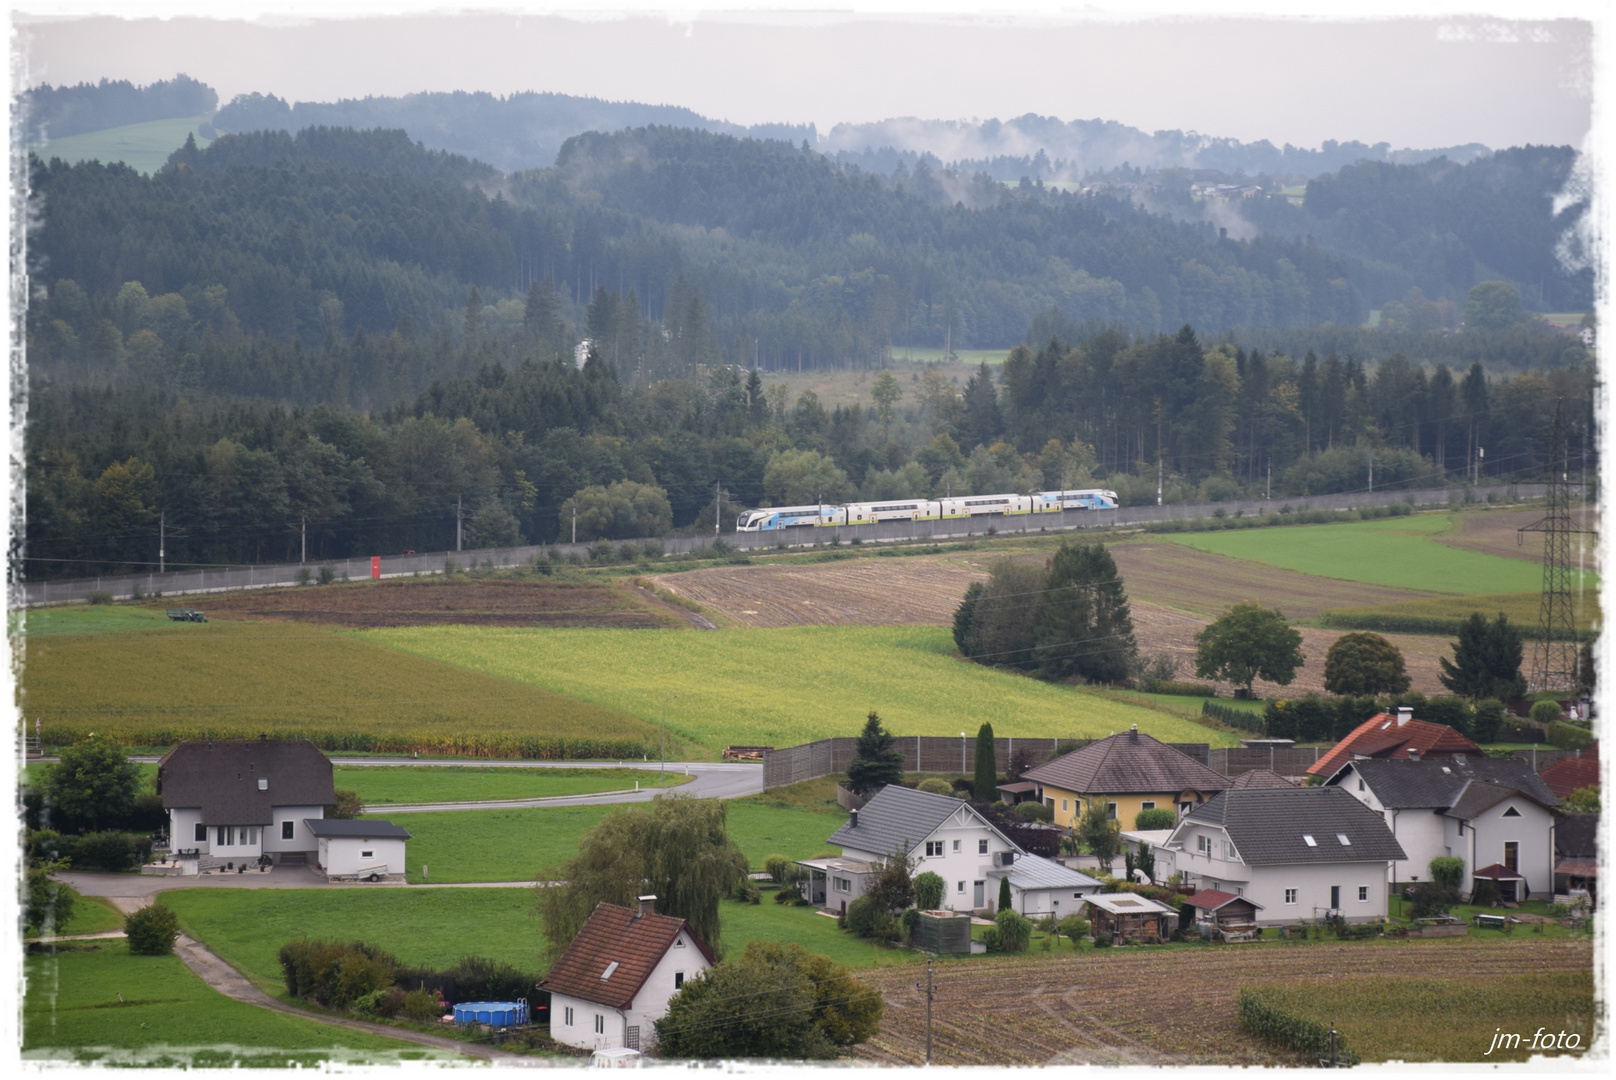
x,y
610,968
1307,838
1341,836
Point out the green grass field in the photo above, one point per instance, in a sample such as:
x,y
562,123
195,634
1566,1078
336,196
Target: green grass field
x,y
468,783
1392,1018
236,679
91,915
143,147
1390,551
786,686
169,1018
91,619
516,845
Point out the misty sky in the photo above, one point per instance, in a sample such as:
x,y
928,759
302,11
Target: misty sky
x,y
1413,83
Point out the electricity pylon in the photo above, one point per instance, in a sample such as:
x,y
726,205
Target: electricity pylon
x,y
1556,655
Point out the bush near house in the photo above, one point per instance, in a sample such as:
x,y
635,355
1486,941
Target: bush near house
x,y
151,931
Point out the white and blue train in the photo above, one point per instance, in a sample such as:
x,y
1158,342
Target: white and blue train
x,y
965,506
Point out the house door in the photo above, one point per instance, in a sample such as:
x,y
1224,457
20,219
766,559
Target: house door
x,y
1335,898
1512,854
979,893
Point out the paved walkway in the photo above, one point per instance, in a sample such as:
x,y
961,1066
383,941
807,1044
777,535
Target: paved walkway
x,y
129,892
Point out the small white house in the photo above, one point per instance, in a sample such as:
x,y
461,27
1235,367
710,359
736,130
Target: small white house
x,y
363,848
1040,887
936,833
615,979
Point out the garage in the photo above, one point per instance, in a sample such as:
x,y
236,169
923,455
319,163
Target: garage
x,y
359,850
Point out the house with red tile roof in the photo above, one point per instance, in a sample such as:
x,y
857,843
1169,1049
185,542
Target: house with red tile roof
x,y
1386,736
1564,777
617,976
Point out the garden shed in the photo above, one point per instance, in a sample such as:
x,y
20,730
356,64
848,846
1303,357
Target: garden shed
x,y
1224,915
1130,917
362,849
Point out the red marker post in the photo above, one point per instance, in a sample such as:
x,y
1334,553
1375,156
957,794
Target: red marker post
x,y
375,567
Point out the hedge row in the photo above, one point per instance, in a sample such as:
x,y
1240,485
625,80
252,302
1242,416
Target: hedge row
x,y
112,851
1243,719
1285,516
405,742
1266,1020
1422,624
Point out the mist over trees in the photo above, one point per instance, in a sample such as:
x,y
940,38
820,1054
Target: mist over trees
x,y
56,112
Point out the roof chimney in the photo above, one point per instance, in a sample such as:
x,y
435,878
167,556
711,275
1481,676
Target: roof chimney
x,y
1405,713
852,820
1133,733
1413,753
647,905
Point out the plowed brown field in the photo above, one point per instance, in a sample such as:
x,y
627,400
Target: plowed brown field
x,y
858,592
1168,1007
438,603
1497,533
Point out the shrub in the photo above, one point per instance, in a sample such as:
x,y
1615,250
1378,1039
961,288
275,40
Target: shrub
x,y
787,893
780,869
1447,870
114,852
1567,736
908,921
1430,898
151,930
421,1005
305,575
929,889
1034,811
1075,926
328,574
100,596
868,919
1157,817
990,938
1546,713
1015,930
936,785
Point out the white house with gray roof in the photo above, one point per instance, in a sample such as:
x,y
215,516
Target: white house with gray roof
x,y
1299,853
937,833
1488,812
244,801
1040,887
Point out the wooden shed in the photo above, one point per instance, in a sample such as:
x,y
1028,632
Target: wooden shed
x,y
1130,917
1224,916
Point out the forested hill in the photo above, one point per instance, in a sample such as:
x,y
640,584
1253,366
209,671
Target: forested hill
x,y
59,111
517,131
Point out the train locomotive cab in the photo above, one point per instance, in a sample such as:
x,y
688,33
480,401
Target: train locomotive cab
x,y
1081,499
789,517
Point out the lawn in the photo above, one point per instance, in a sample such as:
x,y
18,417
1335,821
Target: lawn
x,y
381,785
237,679
167,1017
785,923
1391,551
92,619
431,927
91,915
516,845
1401,1018
784,686
1521,608
143,147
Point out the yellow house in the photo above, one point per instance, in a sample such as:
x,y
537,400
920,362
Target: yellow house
x,y
1129,772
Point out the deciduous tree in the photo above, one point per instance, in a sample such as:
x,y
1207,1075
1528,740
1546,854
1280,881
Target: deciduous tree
x,y
1247,642
1363,664
93,784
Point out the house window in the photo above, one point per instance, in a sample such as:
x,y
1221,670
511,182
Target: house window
x,y
1184,807
961,887
956,845
201,835
222,835
844,885
1363,894
981,847
679,943
1063,805
1307,838
600,1024
288,830
934,849
1512,855
1240,890
1111,810
567,1016
1335,897
1360,783
1342,837
367,854
1228,850
1290,896
1150,805
678,979
1512,812
1203,845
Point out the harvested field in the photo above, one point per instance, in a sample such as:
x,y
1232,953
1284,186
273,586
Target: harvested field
x,y
857,592
437,602
1151,1007
1495,533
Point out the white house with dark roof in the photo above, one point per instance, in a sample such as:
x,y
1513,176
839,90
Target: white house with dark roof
x,y
244,800
362,848
1489,812
937,833
1040,887
1295,853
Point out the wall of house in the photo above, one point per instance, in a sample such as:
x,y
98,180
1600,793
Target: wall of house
x,y
1068,805
963,862
651,1003
302,839
246,842
1037,903
343,855
1533,830
1221,865
581,1032
182,823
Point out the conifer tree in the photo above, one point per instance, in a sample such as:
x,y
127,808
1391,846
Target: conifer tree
x,y
876,762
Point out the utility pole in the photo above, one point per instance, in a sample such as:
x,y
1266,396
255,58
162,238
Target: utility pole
x,y
718,503
1371,471
1555,655
929,997
303,532
575,519
162,542
1268,490
458,515
1158,453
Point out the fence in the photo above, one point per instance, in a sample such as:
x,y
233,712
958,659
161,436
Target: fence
x,y
222,578
921,754
1285,760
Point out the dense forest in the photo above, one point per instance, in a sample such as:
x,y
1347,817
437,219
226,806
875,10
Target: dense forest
x,y
59,111
346,329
